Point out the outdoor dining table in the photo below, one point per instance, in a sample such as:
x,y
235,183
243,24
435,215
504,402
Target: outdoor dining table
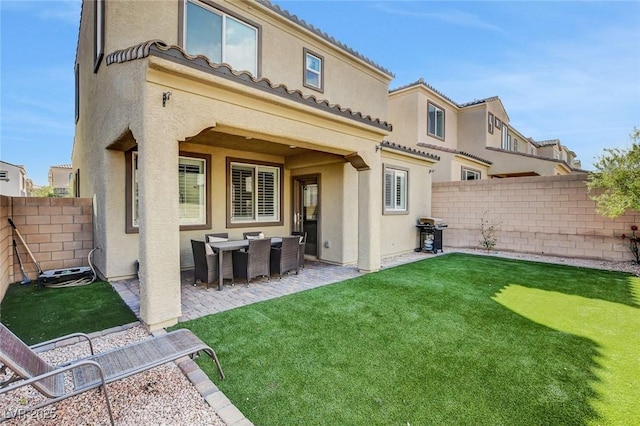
x,y
228,246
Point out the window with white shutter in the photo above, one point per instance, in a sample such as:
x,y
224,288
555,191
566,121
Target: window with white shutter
x,y
396,190
255,193
192,190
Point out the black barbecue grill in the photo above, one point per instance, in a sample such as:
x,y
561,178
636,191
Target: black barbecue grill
x,y
430,234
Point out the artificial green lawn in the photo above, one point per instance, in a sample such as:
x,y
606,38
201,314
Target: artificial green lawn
x,y
455,339
36,315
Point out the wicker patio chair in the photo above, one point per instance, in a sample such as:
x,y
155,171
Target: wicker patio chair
x,y
27,368
303,242
227,261
251,235
205,265
254,262
285,258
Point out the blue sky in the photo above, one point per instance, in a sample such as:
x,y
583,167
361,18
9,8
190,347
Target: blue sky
x,y
567,70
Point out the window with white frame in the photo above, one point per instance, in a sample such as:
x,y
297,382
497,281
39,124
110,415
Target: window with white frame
x,y
505,138
313,70
435,121
192,190
4,175
254,193
220,37
490,123
470,174
515,144
396,189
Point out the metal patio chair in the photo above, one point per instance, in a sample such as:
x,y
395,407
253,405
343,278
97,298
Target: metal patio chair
x,y
27,368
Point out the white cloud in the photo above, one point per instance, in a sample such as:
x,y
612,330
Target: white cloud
x,y
450,16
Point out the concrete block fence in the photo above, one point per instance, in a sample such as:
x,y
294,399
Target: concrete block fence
x,y
544,215
551,215
59,232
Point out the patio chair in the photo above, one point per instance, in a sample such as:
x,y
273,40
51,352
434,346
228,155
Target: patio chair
x,y
303,242
27,368
254,262
285,258
227,261
205,265
251,235
216,236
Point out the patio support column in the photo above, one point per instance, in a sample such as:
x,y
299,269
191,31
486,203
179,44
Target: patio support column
x,y
159,218
369,210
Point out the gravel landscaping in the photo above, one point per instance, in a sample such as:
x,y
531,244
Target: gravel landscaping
x,y
624,266
162,395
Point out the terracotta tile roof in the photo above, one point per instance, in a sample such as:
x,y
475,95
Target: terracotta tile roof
x,y
62,166
548,142
454,151
409,150
478,101
421,82
177,54
293,18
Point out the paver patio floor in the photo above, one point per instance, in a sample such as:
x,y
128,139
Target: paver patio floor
x,y
197,301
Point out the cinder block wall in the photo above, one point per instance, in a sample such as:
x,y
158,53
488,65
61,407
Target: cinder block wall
x,y
58,231
6,247
551,215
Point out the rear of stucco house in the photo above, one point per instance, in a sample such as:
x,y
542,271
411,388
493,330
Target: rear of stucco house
x,y
229,116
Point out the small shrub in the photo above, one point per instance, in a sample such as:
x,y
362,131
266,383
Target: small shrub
x,y
633,242
488,229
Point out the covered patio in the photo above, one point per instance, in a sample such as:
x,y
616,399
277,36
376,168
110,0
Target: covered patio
x,y
196,301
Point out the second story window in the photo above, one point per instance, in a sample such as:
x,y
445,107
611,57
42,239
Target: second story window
x,y
313,71
220,37
490,123
470,174
506,139
435,121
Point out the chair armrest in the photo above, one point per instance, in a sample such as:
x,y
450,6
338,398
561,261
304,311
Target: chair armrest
x,y
68,336
55,372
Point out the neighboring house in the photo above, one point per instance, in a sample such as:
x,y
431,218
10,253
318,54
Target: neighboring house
x,y
13,180
195,116
61,179
474,140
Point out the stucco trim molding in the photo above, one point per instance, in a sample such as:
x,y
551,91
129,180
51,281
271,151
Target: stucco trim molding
x,y
177,54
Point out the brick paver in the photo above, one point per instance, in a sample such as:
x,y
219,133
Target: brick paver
x,y
197,301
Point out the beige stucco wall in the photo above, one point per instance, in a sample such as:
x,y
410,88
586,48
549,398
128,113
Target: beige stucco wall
x,y
403,113
547,214
408,109
122,106
349,81
510,162
472,130
398,232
